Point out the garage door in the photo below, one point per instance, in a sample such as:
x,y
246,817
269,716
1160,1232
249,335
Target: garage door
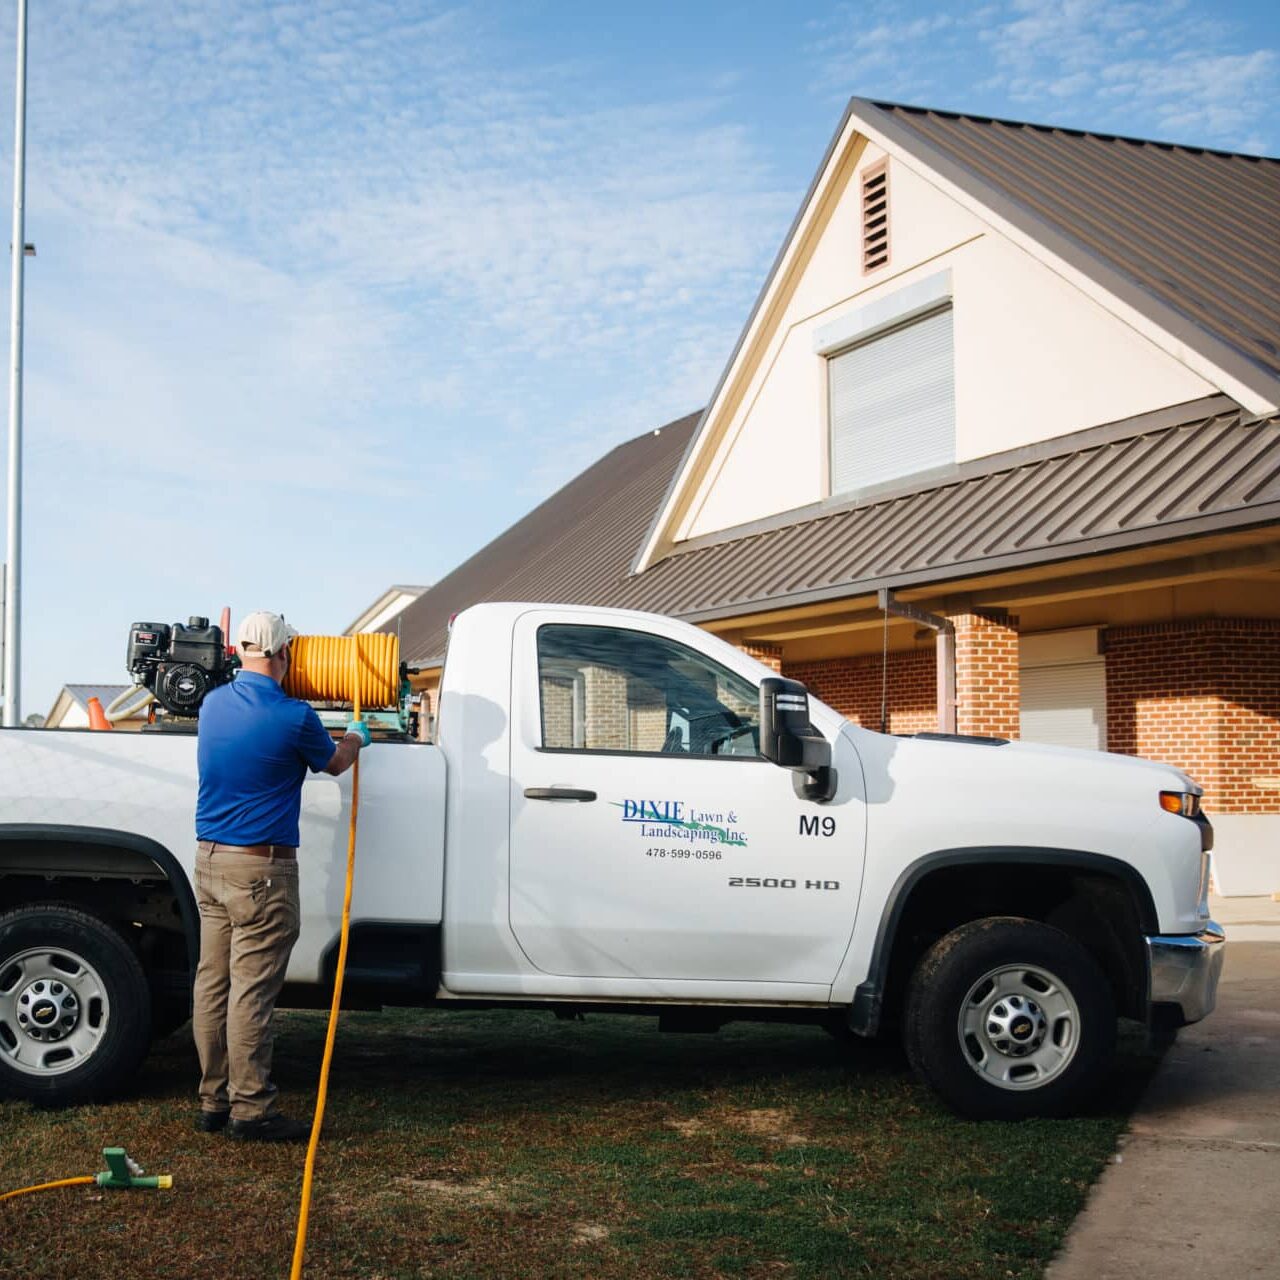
x,y
1065,704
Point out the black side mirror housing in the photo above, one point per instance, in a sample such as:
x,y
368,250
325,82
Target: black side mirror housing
x,y
789,739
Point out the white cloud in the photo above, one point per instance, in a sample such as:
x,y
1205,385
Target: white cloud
x,y
1169,69
1156,68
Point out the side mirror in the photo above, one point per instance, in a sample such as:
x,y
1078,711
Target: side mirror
x,y
788,738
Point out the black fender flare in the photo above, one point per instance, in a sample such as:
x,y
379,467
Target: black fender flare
x,y
109,837
864,1013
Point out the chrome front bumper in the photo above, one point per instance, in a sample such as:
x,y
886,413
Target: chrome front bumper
x,y
1184,972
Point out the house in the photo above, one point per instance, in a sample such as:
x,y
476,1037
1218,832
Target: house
x,y
384,610
70,708
1020,385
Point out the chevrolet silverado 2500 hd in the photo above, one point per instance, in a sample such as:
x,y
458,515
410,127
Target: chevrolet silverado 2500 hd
x,y
622,811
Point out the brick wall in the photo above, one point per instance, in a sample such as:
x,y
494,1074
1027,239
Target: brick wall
x,y
1204,696
769,654
607,711
852,687
557,711
987,685
646,718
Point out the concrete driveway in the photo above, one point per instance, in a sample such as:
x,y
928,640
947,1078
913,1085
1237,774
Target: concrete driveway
x,y
1195,1187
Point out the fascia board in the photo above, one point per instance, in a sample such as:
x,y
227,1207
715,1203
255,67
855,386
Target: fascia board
x,y
58,712
695,450
1177,335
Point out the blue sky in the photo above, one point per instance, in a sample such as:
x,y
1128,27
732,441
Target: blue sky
x,y
329,294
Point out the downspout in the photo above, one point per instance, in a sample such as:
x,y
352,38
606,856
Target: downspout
x,y
946,652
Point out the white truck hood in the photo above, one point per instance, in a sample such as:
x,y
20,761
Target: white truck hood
x,y
926,795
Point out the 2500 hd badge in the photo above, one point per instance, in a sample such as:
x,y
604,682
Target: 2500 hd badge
x,y
775,882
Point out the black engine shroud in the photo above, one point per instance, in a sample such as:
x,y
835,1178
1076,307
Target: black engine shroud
x,y
179,664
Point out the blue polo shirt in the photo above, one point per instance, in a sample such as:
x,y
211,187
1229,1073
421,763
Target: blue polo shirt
x,y
255,746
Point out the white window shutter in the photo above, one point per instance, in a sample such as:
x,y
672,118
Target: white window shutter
x,y
893,410
1065,705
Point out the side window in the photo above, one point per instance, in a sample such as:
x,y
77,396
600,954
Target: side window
x,y
609,689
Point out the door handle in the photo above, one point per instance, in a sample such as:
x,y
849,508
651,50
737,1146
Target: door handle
x,y
557,793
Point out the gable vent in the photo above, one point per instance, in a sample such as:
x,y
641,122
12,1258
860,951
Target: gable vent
x,y
875,216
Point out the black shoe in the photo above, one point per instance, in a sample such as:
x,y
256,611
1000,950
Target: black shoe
x,y
272,1128
212,1121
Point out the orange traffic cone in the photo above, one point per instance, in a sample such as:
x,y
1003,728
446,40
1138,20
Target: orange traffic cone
x,y
97,717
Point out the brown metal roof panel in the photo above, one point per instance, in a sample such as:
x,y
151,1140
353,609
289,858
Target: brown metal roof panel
x,y
926,524
1070,482
883,530
1117,481
1085,484
906,540
1255,477
1164,457
963,514
1001,526
1187,488
1126,466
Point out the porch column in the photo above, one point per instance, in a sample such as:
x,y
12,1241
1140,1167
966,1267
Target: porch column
x,y
987,694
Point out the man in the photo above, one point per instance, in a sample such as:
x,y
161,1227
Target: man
x,y
254,749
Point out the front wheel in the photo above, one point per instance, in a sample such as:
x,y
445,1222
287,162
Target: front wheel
x,y
1009,1018
75,1008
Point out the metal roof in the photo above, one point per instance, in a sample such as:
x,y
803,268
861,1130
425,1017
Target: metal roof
x,y
1156,478
1192,477
1195,229
105,693
576,547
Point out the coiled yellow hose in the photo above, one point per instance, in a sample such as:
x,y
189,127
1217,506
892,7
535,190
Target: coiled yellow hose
x,y
323,669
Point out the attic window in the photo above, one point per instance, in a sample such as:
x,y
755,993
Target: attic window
x,y
875,216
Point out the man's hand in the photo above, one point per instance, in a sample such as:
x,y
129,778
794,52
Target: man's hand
x,y
356,738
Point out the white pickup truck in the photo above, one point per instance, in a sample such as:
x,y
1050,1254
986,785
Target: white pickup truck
x,y
622,811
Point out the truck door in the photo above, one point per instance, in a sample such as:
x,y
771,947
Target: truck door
x,y
649,839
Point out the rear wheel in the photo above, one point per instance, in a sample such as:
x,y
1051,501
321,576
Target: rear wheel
x,y
75,1007
1009,1018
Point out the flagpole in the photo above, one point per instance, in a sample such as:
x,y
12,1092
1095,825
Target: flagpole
x,y
13,566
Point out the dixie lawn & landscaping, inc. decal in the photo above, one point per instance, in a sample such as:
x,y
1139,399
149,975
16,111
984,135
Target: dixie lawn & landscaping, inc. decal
x,y
674,820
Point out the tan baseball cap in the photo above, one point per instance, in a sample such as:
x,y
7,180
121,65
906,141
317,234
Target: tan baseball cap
x,y
263,634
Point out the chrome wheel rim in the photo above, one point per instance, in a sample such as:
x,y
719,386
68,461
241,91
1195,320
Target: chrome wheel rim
x,y
54,1011
1019,1027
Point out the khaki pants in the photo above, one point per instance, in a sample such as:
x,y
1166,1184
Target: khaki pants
x,y
248,925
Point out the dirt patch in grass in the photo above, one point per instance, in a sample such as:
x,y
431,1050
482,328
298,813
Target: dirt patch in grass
x,y
506,1144
483,1191
774,1124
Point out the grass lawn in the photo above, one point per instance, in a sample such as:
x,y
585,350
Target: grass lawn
x,y
510,1144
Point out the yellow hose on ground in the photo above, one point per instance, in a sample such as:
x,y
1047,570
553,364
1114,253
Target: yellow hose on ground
x,y
48,1186
364,669
356,652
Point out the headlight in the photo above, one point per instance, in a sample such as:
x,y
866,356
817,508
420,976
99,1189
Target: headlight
x,y
1180,802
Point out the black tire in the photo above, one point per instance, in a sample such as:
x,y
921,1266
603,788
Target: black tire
x,y
1059,1035
107,1024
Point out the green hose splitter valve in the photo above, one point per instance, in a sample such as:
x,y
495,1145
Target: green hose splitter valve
x,y
122,1173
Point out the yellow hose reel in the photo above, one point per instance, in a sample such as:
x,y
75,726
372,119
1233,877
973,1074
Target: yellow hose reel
x,y
359,670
